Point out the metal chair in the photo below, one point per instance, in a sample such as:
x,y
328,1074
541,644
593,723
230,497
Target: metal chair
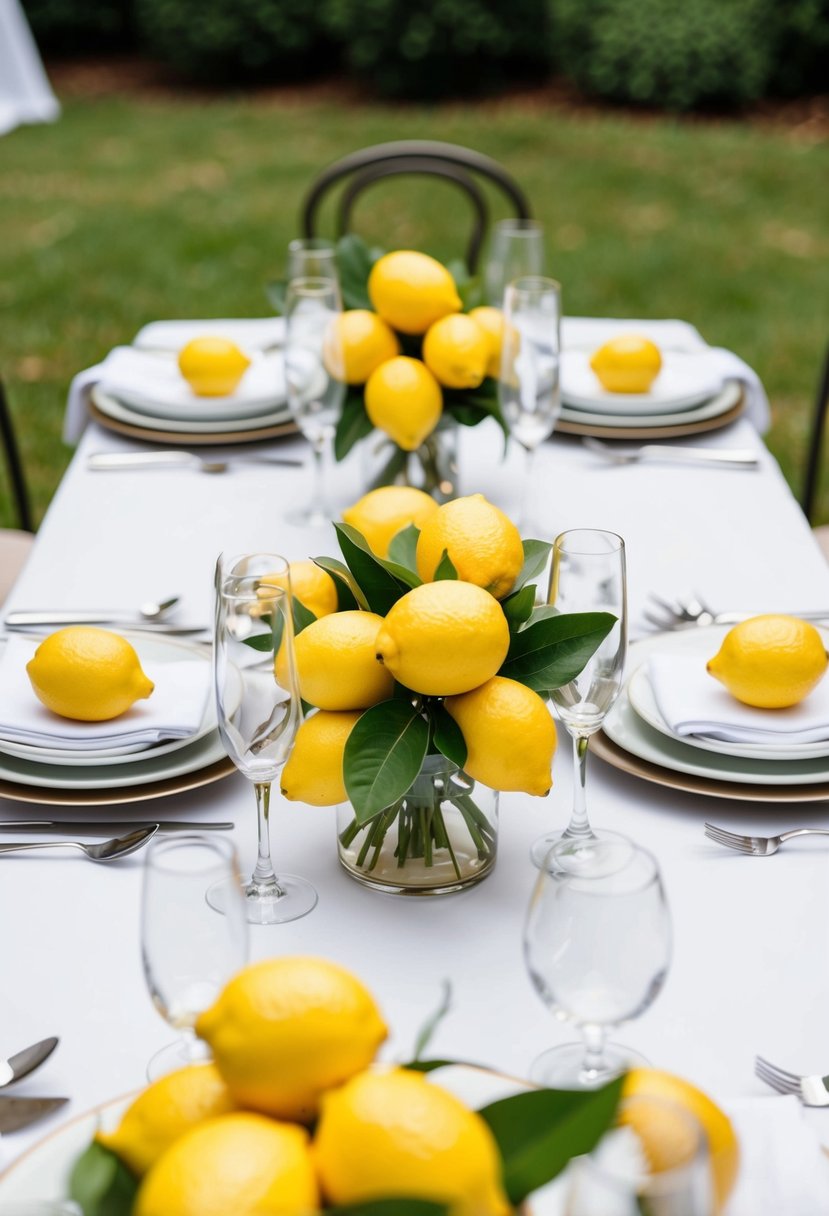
x,y
460,166
15,543
815,451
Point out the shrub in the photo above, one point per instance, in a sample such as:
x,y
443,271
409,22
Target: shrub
x,y
77,26
801,47
439,48
658,52
232,40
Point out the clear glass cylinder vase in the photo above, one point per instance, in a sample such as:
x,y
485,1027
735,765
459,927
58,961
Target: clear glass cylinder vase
x,y
441,836
433,467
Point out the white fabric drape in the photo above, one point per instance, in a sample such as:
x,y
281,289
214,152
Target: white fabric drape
x,y
25,92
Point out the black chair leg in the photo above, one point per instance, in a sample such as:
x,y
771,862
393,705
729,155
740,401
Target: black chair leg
x,y
15,465
816,442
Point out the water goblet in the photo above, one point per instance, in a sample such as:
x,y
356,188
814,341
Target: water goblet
x,y
529,387
587,574
259,710
597,945
516,250
189,953
315,379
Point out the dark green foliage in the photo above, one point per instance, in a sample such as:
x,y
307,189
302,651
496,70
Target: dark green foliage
x,y
801,47
68,27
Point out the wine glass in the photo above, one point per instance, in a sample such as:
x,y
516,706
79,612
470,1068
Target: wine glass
x,y
597,945
517,249
189,953
315,379
259,710
587,575
529,387
312,258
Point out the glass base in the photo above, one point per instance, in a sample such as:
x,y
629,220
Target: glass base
x,y
564,1067
289,898
181,1054
598,855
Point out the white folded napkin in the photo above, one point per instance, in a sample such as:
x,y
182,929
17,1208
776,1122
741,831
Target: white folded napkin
x,y
174,711
258,333
693,703
783,1169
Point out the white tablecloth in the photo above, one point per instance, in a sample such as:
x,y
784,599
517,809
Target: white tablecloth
x,y
751,963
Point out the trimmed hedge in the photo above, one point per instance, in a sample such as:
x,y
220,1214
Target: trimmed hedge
x,y
440,48
74,27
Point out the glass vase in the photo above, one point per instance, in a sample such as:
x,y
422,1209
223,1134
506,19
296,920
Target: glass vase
x,y
441,836
433,467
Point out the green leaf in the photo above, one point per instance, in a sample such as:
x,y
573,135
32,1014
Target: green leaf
x,y
383,756
483,399
448,736
536,556
403,547
260,641
394,464
459,272
540,1131
353,424
391,1207
354,263
381,582
433,1065
100,1184
303,617
518,606
549,653
471,293
349,595
427,1030
445,568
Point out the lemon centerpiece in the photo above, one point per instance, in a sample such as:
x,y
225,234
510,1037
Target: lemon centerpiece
x,y
771,661
213,367
627,364
87,674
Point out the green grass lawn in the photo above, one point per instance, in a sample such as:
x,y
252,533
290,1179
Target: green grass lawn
x,y
134,208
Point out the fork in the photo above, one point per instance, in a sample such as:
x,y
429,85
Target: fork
x,y
692,611
812,1090
757,846
742,458
109,461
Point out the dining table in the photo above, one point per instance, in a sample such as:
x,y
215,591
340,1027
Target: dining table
x,y
750,960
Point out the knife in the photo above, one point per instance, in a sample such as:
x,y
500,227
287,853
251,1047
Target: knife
x,y
26,1061
17,1113
23,620
99,827
176,459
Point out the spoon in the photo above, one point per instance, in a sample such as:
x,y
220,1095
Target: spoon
x,y
107,850
149,612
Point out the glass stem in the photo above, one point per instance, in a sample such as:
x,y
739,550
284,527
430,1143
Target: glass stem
x,y
579,825
263,875
321,504
594,1065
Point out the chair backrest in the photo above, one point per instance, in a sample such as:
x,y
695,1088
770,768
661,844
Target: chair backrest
x,y
815,450
14,464
458,165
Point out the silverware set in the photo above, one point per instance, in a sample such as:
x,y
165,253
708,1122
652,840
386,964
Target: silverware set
x,y
690,611
811,1090
757,846
150,617
111,462
667,453
17,1113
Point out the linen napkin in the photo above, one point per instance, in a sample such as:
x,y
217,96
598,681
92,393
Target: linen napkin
x,y
259,333
174,711
783,1169
693,703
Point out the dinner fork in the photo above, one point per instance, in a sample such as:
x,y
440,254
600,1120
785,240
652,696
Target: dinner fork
x,y
111,461
742,458
812,1090
757,846
692,611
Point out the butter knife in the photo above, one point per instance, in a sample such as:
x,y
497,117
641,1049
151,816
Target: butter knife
x,y
26,1061
99,827
17,1113
25,619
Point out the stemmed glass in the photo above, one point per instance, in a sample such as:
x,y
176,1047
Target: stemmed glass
x,y
315,379
517,249
189,953
587,575
529,387
259,710
597,945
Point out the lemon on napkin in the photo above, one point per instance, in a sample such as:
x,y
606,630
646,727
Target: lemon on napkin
x,y
212,366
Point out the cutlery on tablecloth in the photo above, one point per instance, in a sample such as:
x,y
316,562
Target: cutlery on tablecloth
x,y
26,1061
92,827
690,613
147,614
17,1113
112,461
758,846
812,1090
739,458
108,850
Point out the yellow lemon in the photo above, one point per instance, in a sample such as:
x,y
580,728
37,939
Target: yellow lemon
x,y
164,1111
336,664
241,1164
444,638
382,513
395,1133
770,661
491,321
311,585
314,772
404,399
723,1147
357,343
285,1030
509,733
411,290
668,1134
88,674
627,364
456,350
483,545
212,367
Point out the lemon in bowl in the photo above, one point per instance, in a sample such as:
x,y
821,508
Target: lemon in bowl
x,y
213,367
627,364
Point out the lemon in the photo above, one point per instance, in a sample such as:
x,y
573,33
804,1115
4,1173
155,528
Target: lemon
x,y
483,545
723,1147
164,1111
314,772
397,1134
668,1134
357,343
212,367
444,638
309,583
285,1030
411,290
770,661
404,399
627,364
456,351
88,674
491,321
336,662
382,513
241,1164
509,733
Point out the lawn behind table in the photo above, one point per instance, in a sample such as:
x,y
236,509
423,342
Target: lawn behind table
x,y
135,208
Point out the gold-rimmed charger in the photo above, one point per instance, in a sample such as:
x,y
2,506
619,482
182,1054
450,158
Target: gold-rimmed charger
x,y
568,425
152,434
118,795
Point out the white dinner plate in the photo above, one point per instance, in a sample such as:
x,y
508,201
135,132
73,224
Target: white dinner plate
x,y
162,392
724,401
121,412
627,730
685,380
250,333
149,650
643,699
